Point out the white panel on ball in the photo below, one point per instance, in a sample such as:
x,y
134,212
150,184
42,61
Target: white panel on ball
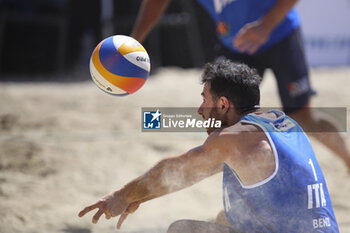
x,y
140,59
102,82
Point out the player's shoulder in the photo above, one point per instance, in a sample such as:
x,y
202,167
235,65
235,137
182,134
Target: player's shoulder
x,y
238,134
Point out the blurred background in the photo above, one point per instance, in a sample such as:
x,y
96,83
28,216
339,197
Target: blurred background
x,y
55,37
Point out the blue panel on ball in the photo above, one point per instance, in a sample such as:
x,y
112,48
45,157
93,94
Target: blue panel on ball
x,y
115,63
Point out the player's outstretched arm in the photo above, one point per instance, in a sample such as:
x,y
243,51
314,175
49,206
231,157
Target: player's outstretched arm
x,y
168,175
251,36
149,14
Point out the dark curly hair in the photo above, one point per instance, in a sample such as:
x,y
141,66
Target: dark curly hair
x,y
237,82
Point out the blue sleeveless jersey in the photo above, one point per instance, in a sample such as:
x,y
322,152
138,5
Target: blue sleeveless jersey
x,y
231,15
293,199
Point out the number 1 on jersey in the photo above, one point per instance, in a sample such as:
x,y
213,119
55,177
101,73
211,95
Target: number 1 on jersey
x,y
313,169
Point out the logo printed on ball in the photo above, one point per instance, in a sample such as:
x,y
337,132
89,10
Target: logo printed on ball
x,y
144,59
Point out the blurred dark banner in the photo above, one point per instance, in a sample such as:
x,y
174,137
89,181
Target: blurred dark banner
x,y
40,37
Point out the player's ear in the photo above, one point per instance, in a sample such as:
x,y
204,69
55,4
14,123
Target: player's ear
x,y
224,104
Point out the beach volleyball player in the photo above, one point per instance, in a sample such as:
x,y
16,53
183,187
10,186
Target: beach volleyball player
x,y
272,181
264,35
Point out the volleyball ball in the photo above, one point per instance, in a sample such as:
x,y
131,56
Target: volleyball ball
x,y
119,65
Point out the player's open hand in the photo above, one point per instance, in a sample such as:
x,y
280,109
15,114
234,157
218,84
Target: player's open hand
x,y
251,36
112,205
131,209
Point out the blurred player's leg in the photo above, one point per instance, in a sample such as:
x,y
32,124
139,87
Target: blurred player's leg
x,y
291,71
323,128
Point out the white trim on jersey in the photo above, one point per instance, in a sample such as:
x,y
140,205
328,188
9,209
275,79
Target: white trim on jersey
x,y
274,153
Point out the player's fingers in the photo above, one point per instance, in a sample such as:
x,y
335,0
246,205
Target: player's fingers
x,y
242,39
97,216
241,36
121,220
107,215
253,48
132,207
88,209
238,41
244,46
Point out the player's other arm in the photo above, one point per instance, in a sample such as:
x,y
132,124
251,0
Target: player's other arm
x,y
149,14
252,35
277,13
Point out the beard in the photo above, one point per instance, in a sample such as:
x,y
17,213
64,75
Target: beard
x,y
214,113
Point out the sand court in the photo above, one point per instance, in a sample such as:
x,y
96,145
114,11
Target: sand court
x,y
64,145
